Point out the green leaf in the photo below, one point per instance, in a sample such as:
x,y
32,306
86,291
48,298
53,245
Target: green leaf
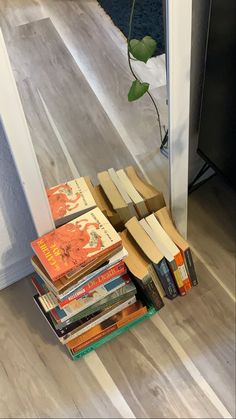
x,y
144,49
137,90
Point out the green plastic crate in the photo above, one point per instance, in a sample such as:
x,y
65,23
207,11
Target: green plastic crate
x,y
151,311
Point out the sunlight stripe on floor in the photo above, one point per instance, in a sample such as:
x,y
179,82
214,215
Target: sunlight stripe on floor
x,y
101,374
190,366
215,276
68,157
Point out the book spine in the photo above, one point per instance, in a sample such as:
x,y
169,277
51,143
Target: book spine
x,y
121,323
40,289
190,267
177,277
94,338
94,322
166,279
182,271
131,317
115,271
150,291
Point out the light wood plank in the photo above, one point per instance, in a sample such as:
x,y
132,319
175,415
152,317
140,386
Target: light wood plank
x,y
17,12
144,366
212,228
86,29
151,376
107,73
39,55
204,325
38,378
52,161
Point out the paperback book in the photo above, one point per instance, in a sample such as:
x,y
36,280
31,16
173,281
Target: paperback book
x,y
76,244
69,200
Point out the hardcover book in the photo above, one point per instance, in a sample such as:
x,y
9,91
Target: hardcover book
x,y
76,244
69,200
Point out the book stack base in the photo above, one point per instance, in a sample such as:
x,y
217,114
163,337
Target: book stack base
x,y
151,311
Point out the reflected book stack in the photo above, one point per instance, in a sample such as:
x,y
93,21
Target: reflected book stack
x,y
83,288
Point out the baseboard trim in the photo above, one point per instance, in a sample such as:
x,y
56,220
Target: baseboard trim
x,y
15,272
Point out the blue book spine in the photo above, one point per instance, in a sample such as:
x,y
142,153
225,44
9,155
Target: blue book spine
x,y
166,279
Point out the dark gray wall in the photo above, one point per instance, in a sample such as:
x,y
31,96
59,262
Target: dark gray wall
x,y
200,17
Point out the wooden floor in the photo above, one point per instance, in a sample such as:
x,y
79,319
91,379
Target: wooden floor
x,y
82,78
180,363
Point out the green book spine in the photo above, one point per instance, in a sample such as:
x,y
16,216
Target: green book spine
x,y
151,311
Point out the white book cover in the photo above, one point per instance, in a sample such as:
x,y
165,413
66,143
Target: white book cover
x,y
162,235
133,193
119,185
130,189
152,234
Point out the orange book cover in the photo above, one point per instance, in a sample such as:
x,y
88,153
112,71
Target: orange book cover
x,y
183,272
119,318
109,329
69,200
76,243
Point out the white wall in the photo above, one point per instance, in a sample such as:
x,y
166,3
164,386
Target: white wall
x,y
22,190
16,225
179,21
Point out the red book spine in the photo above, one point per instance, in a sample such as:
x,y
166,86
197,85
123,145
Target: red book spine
x,y
114,271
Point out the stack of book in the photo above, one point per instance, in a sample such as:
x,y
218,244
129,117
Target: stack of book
x,y
83,287
167,263
129,195
93,282
120,195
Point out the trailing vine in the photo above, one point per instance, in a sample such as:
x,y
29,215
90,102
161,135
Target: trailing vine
x,y
141,50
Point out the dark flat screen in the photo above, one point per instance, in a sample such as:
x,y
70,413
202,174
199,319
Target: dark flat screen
x,y
217,137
